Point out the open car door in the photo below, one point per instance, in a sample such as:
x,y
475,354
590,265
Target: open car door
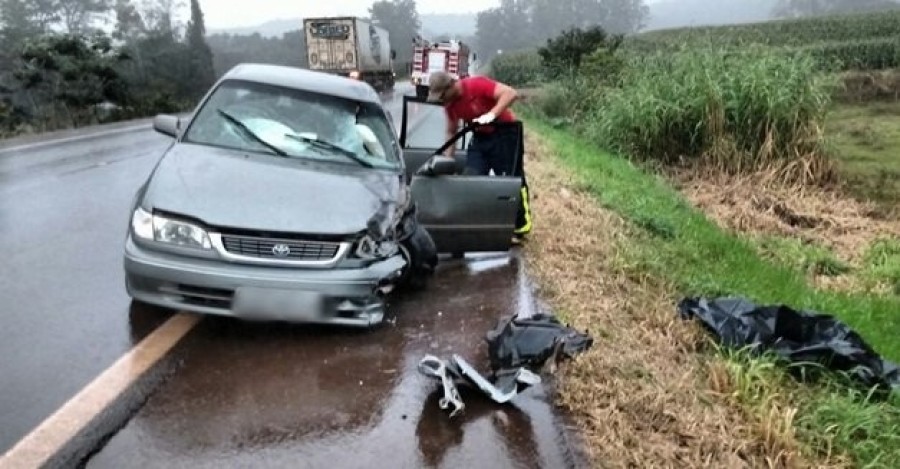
x,y
462,213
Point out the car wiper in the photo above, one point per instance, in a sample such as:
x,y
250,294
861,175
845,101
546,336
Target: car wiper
x,y
237,122
331,146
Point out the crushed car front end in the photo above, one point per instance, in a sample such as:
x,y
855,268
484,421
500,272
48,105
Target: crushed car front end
x,y
183,264
282,198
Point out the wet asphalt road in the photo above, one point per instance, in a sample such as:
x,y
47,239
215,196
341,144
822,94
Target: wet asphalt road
x,y
241,394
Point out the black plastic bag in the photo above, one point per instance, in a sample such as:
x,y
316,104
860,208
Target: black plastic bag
x,y
530,342
797,336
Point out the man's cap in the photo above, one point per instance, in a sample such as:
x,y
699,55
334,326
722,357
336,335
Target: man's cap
x,y
438,83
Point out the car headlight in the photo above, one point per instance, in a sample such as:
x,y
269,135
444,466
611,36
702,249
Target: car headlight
x,y
368,248
166,230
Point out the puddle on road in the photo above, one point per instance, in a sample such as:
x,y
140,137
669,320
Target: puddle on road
x,y
280,396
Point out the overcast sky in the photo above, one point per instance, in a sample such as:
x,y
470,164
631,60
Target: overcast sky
x,y
228,14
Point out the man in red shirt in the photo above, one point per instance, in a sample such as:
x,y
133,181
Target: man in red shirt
x,y
485,101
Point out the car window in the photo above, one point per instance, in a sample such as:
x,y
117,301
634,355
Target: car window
x,y
431,132
269,119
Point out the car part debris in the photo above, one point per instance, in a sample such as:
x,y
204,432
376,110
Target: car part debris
x,y
506,385
518,348
533,341
434,367
797,336
521,380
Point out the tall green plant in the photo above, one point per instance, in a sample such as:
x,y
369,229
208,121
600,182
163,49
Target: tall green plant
x,y
738,109
517,69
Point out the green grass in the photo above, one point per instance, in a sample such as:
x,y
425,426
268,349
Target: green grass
x,y
865,141
882,264
803,257
682,245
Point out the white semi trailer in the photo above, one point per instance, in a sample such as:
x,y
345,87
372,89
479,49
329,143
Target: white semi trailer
x,y
350,47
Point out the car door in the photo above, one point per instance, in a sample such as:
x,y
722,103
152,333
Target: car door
x,y
463,213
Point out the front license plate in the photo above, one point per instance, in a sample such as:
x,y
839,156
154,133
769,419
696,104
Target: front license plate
x,y
273,303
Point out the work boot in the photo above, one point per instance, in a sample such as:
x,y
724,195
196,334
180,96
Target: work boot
x,y
518,238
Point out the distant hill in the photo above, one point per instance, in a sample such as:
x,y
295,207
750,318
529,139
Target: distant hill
x,y
678,13
460,24
274,28
663,14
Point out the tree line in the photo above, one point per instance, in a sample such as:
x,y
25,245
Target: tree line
x,y
67,63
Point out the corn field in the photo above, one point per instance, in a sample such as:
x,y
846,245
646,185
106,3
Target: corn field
x,y
846,42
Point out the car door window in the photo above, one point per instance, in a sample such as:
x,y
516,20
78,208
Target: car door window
x,y
426,127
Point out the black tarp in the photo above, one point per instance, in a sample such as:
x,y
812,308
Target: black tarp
x,y
530,341
797,336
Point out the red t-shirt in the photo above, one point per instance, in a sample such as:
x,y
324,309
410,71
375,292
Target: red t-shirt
x,y
477,99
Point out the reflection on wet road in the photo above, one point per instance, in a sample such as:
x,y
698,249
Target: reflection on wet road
x,y
242,394
64,308
279,396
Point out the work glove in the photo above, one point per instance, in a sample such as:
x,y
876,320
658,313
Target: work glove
x,y
486,119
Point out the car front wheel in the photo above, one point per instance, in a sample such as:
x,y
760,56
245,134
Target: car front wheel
x,y
421,258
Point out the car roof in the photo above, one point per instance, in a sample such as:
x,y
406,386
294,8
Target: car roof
x,y
303,79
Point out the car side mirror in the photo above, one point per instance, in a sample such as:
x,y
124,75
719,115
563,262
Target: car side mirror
x,y
393,55
438,165
474,56
166,124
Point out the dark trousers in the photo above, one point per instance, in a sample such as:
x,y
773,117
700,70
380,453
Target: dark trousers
x,y
503,151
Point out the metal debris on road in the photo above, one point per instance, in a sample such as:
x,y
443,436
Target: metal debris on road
x,y
519,348
434,367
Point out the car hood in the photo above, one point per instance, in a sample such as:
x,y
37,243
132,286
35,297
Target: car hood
x,y
232,189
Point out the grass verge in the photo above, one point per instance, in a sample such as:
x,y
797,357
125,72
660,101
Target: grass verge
x,y
619,248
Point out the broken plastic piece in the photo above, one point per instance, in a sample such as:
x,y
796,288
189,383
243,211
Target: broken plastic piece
x,y
503,395
516,342
434,367
797,336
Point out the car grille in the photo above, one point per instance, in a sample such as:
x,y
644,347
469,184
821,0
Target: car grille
x,y
265,248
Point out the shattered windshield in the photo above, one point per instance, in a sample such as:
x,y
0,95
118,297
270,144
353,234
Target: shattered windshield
x,y
295,124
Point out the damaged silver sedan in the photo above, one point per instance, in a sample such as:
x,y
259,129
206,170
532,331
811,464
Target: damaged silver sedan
x,y
288,196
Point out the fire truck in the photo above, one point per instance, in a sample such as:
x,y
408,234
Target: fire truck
x,y
428,57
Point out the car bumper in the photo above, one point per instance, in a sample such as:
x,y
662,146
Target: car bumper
x,y
346,297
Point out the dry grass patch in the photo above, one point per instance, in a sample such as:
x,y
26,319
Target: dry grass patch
x,y
816,217
869,85
642,396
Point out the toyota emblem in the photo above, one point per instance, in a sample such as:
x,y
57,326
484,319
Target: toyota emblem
x,y
281,250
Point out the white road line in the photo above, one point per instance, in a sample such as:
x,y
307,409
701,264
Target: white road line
x,y
76,138
36,448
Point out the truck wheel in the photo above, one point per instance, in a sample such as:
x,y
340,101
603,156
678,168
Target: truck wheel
x,y
421,258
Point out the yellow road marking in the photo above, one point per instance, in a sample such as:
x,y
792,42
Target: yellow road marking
x,y
36,448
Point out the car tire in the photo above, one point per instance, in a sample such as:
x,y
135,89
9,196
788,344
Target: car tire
x,y
421,257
